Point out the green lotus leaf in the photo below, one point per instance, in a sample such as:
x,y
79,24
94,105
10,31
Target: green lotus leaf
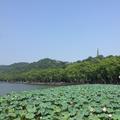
x,y
30,116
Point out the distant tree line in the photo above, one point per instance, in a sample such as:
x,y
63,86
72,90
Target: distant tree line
x,y
100,69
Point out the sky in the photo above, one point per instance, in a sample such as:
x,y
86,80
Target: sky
x,y
67,30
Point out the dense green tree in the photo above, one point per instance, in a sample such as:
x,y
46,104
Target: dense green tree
x,y
99,69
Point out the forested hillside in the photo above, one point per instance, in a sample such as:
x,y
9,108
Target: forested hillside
x,y
91,70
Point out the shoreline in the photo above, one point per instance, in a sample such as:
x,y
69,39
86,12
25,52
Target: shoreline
x,y
51,83
43,83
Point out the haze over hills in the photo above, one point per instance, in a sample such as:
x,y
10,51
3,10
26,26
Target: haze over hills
x,y
98,69
41,64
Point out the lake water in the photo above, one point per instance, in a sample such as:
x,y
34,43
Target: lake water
x,y
17,87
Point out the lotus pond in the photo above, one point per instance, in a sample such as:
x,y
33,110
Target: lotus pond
x,y
80,102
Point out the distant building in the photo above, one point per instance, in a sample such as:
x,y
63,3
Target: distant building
x,y
97,52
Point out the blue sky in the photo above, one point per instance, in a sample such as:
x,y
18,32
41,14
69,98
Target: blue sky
x,y
60,29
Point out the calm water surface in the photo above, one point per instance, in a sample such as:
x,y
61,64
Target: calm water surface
x,y
17,87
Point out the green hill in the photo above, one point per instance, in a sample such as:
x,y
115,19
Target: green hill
x,y
91,70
